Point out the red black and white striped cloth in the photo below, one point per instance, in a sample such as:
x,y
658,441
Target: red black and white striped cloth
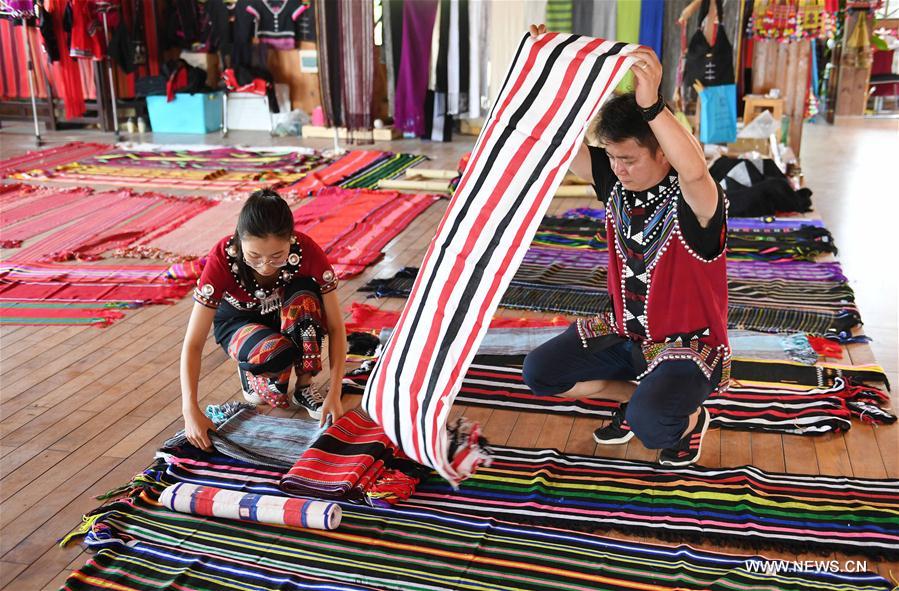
x,y
555,86
353,460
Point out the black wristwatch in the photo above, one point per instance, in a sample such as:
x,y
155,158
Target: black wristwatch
x,y
652,112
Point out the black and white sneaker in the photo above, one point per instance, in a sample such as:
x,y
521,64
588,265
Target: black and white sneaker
x,y
310,398
248,393
618,431
688,449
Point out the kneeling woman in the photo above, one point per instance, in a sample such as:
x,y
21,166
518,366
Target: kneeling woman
x,y
270,294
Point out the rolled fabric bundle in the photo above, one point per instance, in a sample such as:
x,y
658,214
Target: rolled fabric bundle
x,y
228,504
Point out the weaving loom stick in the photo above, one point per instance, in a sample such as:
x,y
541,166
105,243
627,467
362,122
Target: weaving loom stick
x,y
555,85
229,504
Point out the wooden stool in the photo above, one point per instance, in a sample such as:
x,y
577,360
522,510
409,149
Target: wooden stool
x,y
754,104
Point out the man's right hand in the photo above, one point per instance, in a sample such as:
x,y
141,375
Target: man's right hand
x,y
537,30
196,428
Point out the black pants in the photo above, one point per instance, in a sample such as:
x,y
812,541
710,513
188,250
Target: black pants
x,y
658,411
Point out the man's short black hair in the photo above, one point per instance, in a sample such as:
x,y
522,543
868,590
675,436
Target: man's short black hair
x,y
620,119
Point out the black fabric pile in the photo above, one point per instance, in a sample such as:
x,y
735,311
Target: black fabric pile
x,y
758,188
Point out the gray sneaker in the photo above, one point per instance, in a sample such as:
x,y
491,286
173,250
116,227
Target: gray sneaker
x,y
310,398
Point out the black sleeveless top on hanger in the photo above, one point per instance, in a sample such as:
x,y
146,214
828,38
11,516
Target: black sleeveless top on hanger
x,y
712,65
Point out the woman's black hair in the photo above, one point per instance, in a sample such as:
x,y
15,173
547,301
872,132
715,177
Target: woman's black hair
x,y
264,214
620,119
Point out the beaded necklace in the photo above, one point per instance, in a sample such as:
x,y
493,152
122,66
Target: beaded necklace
x,y
268,299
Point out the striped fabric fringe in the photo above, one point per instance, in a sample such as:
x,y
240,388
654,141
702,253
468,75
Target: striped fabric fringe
x,y
50,158
390,168
139,545
748,505
774,396
554,87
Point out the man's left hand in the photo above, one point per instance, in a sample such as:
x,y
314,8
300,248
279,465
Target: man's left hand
x,y
648,76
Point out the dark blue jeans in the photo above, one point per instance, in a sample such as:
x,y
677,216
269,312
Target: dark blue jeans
x,y
660,407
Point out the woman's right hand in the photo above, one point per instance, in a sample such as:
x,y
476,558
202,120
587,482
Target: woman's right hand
x,y
537,30
196,427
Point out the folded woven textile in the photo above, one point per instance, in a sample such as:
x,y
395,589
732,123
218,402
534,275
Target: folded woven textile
x,y
244,434
353,460
554,87
217,502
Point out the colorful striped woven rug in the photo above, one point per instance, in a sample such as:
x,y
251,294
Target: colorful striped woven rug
x,y
139,545
94,294
546,487
88,223
195,168
774,396
824,513
51,157
359,169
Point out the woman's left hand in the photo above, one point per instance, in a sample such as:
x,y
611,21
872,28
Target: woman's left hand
x,y
332,405
647,71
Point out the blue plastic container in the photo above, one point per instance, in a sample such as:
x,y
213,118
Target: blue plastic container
x,y
188,113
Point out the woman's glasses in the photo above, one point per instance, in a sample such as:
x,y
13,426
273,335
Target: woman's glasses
x,y
261,263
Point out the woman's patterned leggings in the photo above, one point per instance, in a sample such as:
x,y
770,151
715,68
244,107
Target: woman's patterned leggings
x,y
266,356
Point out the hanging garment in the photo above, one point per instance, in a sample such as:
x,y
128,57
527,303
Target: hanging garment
x,y
392,47
412,83
507,21
276,21
357,63
605,19
507,186
627,21
477,66
652,13
582,18
329,43
86,29
710,64
558,15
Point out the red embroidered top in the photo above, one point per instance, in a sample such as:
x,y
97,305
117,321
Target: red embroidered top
x,y
220,280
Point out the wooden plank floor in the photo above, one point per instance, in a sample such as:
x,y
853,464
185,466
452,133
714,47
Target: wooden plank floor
x,y
83,409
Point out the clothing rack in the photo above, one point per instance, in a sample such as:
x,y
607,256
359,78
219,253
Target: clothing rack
x,y
104,8
9,11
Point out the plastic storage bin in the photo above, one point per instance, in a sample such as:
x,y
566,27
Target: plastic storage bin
x,y
188,113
